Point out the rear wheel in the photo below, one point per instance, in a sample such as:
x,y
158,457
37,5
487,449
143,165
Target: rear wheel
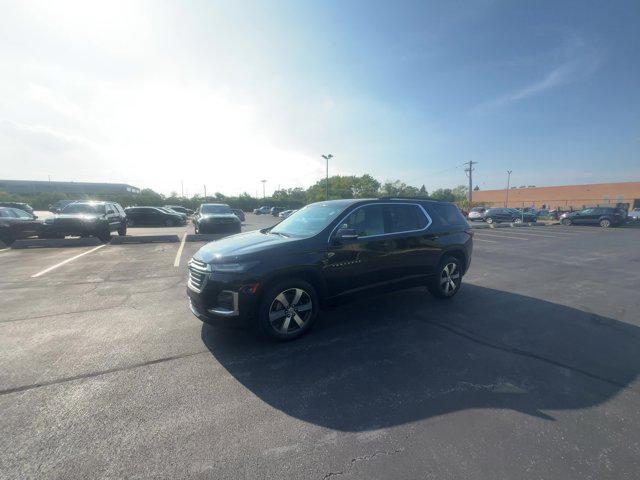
x,y
517,220
104,234
605,223
448,280
288,309
566,222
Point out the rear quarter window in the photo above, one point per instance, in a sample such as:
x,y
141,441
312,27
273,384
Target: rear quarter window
x,y
447,214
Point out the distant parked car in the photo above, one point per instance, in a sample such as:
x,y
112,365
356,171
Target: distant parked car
x,y
184,216
16,223
497,215
275,211
604,216
634,215
238,213
25,207
262,210
216,218
153,217
177,208
286,213
97,219
476,213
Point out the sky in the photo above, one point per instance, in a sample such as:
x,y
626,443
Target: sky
x,y
177,95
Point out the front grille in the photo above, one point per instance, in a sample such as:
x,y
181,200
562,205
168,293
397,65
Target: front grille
x,y
197,274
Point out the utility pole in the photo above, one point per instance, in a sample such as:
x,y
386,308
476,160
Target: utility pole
x,y
263,190
469,171
506,203
205,193
182,188
327,157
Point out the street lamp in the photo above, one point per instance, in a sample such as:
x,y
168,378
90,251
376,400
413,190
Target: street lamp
x,y
327,157
506,203
263,191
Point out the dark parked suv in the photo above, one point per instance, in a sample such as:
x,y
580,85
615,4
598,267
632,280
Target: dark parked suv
x,y
278,278
86,219
497,215
216,218
604,216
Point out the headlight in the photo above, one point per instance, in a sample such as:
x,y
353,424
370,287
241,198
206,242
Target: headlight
x,y
232,267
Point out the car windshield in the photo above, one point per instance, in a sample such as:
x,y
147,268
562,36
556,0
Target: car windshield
x,y
309,221
215,209
84,208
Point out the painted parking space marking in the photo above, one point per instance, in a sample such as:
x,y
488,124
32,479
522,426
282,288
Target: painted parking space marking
x,y
64,262
536,234
476,239
176,262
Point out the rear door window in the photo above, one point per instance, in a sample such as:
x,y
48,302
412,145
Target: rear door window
x,y
405,218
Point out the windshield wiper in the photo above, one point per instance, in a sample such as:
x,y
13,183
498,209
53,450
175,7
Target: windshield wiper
x,y
281,234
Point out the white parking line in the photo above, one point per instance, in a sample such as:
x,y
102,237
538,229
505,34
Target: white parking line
x,y
176,262
500,236
535,234
4,249
476,239
66,261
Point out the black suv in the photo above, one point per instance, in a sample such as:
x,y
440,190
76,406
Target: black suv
x,y
154,216
277,278
603,216
216,218
86,219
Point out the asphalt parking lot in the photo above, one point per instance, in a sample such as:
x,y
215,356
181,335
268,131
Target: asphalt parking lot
x,y
529,372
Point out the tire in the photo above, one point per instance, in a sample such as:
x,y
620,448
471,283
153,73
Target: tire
x,y
448,279
489,220
104,235
605,223
122,231
566,222
278,322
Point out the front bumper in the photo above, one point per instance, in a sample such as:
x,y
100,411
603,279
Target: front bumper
x,y
222,298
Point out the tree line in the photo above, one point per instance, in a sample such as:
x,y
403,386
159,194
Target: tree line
x,y
340,186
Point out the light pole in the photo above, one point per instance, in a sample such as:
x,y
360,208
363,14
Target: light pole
x,y
263,190
327,157
506,203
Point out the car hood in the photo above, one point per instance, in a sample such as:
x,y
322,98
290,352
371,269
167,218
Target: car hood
x,y
208,216
240,246
81,217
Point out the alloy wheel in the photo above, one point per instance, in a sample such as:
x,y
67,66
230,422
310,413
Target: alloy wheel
x,y
449,278
605,223
290,310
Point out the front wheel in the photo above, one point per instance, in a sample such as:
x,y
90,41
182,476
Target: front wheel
x,y
605,223
448,279
122,231
566,222
517,220
104,235
288,310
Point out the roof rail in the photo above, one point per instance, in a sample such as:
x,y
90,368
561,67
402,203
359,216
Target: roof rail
x,y
422,199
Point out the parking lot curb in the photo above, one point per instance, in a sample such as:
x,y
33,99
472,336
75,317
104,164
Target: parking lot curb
x,y
483,226
205,237
135,239
56,242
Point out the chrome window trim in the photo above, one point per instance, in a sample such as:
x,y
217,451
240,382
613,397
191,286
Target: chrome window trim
x,y
425,213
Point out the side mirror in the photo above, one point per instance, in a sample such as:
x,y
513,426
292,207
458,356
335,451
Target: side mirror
x,y
346,234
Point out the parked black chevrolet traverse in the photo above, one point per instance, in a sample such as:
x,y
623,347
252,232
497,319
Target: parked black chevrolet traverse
x,y
85,219
278,278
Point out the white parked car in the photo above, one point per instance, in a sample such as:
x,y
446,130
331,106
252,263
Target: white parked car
x,y
634,215
476,213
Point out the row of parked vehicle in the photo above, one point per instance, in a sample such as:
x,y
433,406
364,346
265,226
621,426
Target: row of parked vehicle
x,y
603,216
101,219
281,212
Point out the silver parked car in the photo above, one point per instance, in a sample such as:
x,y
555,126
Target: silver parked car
x,y
476,213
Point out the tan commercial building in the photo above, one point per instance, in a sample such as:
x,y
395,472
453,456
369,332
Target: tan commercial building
x,y
566,197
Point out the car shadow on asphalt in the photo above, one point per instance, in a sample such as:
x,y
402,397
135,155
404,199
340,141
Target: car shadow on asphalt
x,y
406,356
